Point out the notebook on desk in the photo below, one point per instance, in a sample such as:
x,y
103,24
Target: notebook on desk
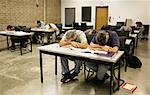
x,y
109,54
101,53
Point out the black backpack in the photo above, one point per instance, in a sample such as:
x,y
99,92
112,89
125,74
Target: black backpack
x,y
134,62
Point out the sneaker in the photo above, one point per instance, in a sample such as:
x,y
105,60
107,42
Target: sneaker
x,y
73,75
13,48
66,78
96,81
106,76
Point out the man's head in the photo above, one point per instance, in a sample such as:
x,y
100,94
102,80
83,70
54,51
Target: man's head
x,y
71,35
10,27
102,38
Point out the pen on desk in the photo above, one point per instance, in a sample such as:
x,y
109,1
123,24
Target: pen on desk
x,y
87,52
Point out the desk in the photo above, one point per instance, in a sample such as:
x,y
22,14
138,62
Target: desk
x,y
135,36
45,31
54,49
137,32
67,28
19,35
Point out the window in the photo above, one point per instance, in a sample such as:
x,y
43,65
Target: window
x,y
86,14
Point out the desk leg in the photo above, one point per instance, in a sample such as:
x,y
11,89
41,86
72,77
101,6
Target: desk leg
x,y
119,75
31,43
137,40
111,80
55,36
7,43
55,65
41,68
20,47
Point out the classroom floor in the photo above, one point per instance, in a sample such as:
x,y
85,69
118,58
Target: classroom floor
x,y
20,75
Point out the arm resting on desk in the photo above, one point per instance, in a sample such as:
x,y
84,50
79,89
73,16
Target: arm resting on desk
x,y
103,48
69,43
79,45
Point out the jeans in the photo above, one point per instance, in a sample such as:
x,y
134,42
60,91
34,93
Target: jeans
x,y
99,68
65,66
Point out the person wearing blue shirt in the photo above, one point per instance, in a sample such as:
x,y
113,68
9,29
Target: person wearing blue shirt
x,y
103,41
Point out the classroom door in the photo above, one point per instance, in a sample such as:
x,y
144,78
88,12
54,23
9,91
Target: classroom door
x,y
69,16
101,17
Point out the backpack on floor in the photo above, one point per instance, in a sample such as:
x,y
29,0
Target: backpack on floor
x,y
134,62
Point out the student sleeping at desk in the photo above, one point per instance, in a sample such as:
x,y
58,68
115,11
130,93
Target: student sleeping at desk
x,y
76,39
103,41
13,29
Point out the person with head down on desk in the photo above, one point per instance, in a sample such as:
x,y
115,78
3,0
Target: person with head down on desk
x,y
77,39
103,41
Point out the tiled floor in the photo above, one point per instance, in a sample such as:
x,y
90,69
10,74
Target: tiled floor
x,y
20,75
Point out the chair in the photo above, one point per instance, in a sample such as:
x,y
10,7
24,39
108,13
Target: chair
x,y
127,47
76,25
119,24
61,31
83,26
145,32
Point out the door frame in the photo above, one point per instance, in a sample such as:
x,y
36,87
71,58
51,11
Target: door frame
x,y
96,13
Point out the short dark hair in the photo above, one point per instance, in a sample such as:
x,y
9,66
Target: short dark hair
x,y
9,27
101,38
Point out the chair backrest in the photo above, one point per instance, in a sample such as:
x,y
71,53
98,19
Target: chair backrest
x,y
122,40
83,26
59,26
139,24
146,29
119,24
75,25
123,33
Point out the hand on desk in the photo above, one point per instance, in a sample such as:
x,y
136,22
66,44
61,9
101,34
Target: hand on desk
x,y
75,44
67,46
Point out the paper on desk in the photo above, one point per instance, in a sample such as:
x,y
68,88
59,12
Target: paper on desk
x,y
20,33
128,41
136,31
88,51
11,32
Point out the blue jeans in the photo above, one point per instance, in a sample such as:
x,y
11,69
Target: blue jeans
x,y
65,66
100,69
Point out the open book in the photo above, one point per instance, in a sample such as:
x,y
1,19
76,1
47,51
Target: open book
x,y
102,53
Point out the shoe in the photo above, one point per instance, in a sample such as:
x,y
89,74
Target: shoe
x,y
96,81
106,76
66,78
13,48
24,45
73,75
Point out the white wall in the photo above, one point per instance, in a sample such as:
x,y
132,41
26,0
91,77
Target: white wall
x,y
119,10
149,12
